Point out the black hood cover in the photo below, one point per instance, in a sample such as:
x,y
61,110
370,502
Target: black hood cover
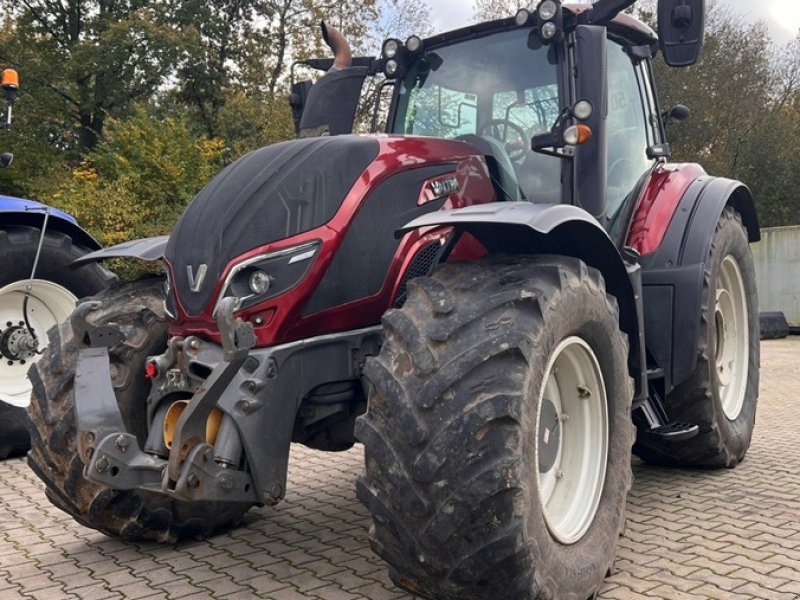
x,y
268,195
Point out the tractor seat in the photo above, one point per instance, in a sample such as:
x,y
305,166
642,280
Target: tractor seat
x,y
501,169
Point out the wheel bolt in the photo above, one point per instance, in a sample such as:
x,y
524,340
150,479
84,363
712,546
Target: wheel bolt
x,y
121,443
559,474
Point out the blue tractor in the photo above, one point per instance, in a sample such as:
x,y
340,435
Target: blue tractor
x,y
38,289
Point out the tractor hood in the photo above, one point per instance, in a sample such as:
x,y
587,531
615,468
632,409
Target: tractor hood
x,y
268,195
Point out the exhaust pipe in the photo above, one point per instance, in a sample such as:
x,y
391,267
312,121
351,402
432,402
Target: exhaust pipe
x,y
342,57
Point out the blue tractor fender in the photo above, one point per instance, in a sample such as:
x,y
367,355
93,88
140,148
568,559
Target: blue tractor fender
x,y
20,211
526,228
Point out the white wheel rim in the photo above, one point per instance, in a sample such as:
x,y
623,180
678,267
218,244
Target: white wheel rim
x,y
570,488
732,337
48,305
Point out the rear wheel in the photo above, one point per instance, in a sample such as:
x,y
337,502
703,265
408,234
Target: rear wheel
x,y
498,433
722,393
137,310
52,299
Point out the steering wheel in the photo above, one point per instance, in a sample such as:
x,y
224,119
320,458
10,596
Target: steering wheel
x,y
498,129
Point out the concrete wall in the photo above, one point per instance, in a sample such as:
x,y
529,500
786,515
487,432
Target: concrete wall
x,y
777,258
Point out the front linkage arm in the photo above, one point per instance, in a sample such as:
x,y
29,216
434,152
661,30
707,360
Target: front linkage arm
x,y
118,462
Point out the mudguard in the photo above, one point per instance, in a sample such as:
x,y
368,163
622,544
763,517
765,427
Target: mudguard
x,y
673,274
149,249
525,228
20,211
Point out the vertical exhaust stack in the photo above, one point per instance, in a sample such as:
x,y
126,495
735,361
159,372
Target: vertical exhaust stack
x,y
330,108
342,56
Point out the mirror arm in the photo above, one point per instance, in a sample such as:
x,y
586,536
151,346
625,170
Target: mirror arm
x,y
604,11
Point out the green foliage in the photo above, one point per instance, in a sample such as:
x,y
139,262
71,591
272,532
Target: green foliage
x,y
744,121
138,181
88,60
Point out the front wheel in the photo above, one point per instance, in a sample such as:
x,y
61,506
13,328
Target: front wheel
x,y
136,309
498,434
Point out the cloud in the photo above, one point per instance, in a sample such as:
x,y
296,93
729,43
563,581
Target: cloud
x,y
451,14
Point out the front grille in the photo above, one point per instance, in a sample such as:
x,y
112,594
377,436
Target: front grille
x,y
422,265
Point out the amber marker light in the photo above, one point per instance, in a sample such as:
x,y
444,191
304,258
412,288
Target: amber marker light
x,y
577,134
10,80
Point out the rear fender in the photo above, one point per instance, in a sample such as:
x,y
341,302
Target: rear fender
x,y
525,228
19,211
148,249
673,274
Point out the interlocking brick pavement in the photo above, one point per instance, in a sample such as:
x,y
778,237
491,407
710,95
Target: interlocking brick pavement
x,y
690,534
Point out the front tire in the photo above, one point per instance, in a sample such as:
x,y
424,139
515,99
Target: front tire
x,y
722,393
137,310
478,485
55,290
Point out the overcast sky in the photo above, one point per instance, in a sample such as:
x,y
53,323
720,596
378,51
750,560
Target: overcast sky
x,y
782,16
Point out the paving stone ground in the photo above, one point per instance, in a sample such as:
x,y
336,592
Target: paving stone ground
x,y
690,534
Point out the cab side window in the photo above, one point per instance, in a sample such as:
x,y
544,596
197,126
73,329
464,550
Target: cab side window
x,y
628,129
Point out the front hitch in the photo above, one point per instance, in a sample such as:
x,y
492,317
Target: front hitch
x,y
113,457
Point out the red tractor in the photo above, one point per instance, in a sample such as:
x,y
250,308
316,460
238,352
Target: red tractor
x,y
499,298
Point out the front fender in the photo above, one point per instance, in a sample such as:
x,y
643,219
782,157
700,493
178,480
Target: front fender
x,y
21,211
526,228
149,249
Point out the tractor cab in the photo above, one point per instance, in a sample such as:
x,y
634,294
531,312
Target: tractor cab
x,y
560,100
529,93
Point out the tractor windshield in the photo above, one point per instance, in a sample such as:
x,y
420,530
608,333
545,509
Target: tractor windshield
x,y
502,86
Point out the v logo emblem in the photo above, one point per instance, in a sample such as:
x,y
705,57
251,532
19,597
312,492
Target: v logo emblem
x,y
196,283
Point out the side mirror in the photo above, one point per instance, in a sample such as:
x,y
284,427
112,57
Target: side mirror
x,y
681,25
679,112
5,159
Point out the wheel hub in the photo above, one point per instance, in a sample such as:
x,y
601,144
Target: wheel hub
x,y
732,337
572,444
549,436
48,304
17,343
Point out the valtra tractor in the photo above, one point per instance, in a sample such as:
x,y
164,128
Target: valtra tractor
x,y
499,297
37,288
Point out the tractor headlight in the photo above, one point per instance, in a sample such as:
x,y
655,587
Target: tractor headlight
x,y
268,275
391,68
547,10
414,44
522,17
549,30
391,48
259,282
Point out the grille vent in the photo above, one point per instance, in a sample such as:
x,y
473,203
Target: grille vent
x,y
421,265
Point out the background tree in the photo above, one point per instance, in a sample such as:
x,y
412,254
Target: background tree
x,y
94,57
488,10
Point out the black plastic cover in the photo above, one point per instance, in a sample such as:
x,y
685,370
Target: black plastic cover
x,y
330,107
268,195
359,268
591,158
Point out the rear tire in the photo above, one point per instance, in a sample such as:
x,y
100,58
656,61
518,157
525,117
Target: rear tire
x,y
462,468
55,291
722,393
137,310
